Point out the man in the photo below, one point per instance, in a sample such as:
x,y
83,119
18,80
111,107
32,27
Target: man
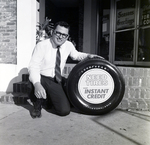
x,y
46,81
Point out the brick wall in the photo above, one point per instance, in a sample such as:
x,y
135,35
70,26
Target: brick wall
x,y
8,31
137,87
137,92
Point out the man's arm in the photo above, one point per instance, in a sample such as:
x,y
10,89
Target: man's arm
x,y
34,71
76,55
34,65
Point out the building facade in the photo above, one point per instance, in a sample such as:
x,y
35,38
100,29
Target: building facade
x,y
115,29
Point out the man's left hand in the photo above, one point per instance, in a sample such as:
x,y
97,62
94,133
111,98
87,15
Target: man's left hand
x,y
95,56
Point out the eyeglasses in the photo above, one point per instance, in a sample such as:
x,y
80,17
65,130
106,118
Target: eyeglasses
x,y
61,34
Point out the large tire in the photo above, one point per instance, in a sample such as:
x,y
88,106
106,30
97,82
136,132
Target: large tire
x,y
95,86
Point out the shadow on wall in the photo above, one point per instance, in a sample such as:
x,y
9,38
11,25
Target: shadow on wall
x,y
16,79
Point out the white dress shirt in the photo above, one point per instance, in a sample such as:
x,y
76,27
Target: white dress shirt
x,y
44,59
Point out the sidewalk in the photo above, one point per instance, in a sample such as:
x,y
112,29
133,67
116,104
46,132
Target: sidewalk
x,y
116,128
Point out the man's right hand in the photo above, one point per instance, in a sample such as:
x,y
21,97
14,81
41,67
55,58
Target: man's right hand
x,y
39,91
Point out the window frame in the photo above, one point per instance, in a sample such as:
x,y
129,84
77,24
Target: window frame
x,y
113,32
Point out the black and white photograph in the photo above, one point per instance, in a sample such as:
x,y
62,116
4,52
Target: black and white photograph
x,y
74,72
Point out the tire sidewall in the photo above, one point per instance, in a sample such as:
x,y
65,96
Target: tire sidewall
x,y
75,96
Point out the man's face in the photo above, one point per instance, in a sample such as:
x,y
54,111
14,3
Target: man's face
x,y
60,35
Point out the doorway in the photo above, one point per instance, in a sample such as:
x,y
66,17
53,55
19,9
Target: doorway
x,y
69,11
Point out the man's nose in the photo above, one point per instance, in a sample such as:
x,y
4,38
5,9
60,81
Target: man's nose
x,y
61,36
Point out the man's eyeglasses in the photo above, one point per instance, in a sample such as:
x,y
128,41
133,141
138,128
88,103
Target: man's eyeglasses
x,y
61,34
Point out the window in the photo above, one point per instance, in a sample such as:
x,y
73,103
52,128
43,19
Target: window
x,y
125,23
130,33
144,32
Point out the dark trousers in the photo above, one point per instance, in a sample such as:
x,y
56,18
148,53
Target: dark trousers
x,y
56,94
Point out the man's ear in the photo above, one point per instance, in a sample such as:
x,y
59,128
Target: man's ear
x,y
68,37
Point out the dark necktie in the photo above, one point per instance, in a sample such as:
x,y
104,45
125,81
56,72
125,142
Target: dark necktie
x,y
57,67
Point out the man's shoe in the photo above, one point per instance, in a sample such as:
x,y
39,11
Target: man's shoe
x,y
36,112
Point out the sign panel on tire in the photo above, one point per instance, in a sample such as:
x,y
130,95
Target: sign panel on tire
x,y
96,86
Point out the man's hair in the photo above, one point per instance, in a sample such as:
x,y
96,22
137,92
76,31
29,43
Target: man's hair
x,y
63,24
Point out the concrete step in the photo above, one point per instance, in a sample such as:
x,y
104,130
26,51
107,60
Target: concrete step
x,y
20,87
25,77
13,98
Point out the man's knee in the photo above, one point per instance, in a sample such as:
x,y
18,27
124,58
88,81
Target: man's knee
x,y
64,112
